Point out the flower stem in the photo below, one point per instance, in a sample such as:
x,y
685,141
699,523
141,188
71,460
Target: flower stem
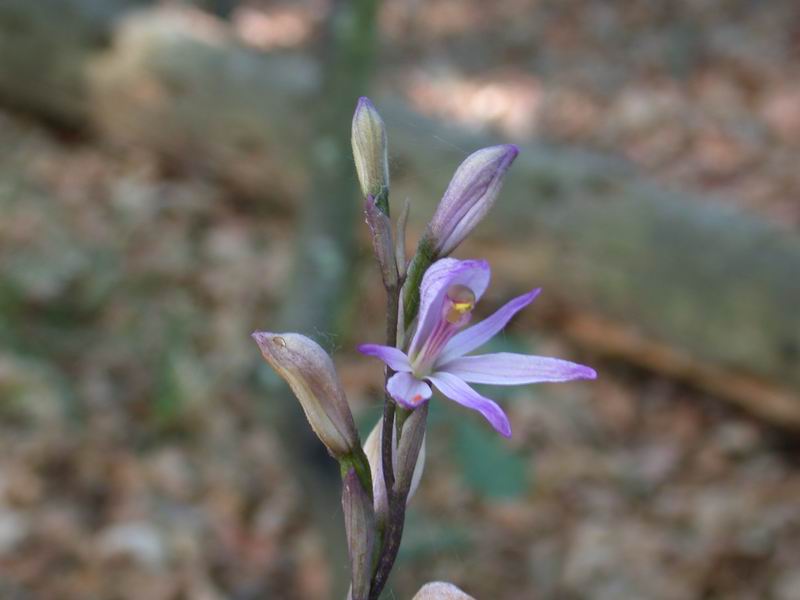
x,y
392,308
395,522
391,530
397,498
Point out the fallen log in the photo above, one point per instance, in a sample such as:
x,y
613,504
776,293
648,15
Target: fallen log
x,y
45,46
716,289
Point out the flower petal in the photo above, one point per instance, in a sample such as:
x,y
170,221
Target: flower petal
x,y
506,368
408,390
457,390
442,274
480,333
394,357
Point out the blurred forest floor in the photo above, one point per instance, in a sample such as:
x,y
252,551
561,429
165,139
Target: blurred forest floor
x,y
137,459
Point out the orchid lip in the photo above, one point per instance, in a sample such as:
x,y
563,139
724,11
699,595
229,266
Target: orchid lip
x,y
456,311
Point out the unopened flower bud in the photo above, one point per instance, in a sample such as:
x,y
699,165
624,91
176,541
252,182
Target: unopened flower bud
x,y
471,193
441,590
372,448
369,150
359,523
309,371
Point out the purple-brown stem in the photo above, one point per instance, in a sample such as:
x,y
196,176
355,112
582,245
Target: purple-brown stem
x,y
392,308
395,520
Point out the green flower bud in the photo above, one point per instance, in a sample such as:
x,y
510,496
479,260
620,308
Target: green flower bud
x,y
369,152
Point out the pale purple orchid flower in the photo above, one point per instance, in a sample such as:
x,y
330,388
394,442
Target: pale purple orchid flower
x,y
437,353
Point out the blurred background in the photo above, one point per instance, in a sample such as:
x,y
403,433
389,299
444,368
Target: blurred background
x,y
174,176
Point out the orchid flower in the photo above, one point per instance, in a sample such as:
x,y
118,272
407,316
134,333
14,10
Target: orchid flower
x,y
437,353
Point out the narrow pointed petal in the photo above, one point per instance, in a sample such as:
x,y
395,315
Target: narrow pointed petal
x,y
474,274
396,359
408,390
457,390
480,333
506,368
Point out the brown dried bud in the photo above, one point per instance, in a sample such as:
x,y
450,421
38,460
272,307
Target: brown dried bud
x,y
380,229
